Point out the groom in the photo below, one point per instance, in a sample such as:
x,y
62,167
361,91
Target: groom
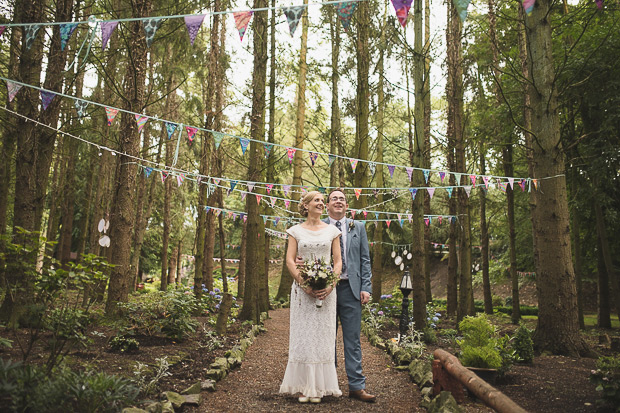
x,y
353,289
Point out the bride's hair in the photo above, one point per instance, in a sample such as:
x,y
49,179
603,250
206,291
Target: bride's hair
x,y
303,209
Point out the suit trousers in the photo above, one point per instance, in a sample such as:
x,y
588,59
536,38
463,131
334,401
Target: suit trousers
x,y
349,312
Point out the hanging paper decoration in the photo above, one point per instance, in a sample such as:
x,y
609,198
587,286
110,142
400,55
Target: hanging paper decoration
x,y
170,128
216,180
528,6
313,156
410,217
2,29
358,192
322,189
426,221
511,182
373,167
304,190
12,89
141,121
193,24
291,154
233,184
268,147
180,179
150,27
467,189
402,10
66,30
147,171
353,214
46,98
107,28
111,114
599,4
485,179
286,189
272,200
345,11
427,174
258,198
269,187
208,208
413,191
431,192
244,142
442,175
522,184
287,202
242,19
388,222
243,194
31,31
353,164
332,158
461,8
217,137
391,168
449,191
473,180
245,218
409,172
80,107
535,183
439,218
503,186
365,213
293,16
457,177
163,175
191,132
250,186
217,212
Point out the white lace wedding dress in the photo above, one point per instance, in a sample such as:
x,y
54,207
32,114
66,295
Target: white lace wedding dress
x,y
311,368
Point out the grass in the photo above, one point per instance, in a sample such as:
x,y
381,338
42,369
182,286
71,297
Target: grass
x,y
590,320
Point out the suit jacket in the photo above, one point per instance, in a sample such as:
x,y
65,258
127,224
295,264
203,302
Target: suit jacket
x,y
358,257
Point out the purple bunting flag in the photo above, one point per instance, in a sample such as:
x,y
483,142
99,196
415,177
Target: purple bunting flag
x,y
599,4
242,19
391,169
409,172
2,29
107,28
250,186
313,156
46,98
442,175
193,24
431,192
286,189
402,10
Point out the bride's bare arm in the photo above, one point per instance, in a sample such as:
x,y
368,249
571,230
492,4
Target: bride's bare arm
x,y
291,256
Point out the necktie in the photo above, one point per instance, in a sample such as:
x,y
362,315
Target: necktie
x,y
344,265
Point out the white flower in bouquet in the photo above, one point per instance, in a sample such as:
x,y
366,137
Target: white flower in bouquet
x,y
317,274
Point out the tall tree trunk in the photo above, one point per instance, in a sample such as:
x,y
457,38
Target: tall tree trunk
x,y
601,230
362,100
242,262
484,238
121,223
558,326
577,254
604,305
250,309
427,146
334,130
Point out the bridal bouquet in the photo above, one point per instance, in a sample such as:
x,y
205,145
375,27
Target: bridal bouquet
x,y
317,274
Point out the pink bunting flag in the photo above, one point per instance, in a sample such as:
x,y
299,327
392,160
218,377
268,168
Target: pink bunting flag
x,y
180,179
272,200
291,154
473,180
426,221
12,89
388,222
440,219
353,212
242,19
313,156
163,175
409,172
528,6
365,214
193,24
485,179
243,194
191,132
216,181
111,114
286,189
353,164
442,175
431,192
599,4
402,10
287,203
2,29
141,121
245,218
410,217
107,28
391,168
250,186
269,187
258,198
358,192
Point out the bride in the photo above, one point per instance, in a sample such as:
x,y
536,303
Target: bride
x,y
311,368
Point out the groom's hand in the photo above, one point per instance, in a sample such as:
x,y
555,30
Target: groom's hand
x,y
364,297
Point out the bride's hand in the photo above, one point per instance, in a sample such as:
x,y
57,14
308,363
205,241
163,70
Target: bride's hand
x,y
322,294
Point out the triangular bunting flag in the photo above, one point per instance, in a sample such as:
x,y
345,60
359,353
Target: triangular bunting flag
x,y
599,4
373,167
313,156
467,189
12,89
170,128
353,212
243,194
409,172
358,192
535,183
528,6
332,158
217,211
449,191
365,213
286,189
485,179
150,28
473,179
147,171
431,192
427,174
163,175
31,31
180,179
457,177
193,24
242,19
287,202
402,10
293,16
413,191
111,114
66,30
250,186
269,187
2,29
272,200
216,180
46,98
353,164
410,217
107,28
141,121
268,147
258,198
244,142
322,189
291,154
388,222
80,107
391,169
345,11
426,221
233,184
511,182
461,8
442,175
522,184
191,132
440,218
217,137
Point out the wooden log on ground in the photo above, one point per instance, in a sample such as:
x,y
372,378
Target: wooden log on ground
x,y
484,391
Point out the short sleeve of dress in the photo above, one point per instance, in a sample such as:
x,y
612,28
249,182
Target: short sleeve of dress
x,y
294,231
335,232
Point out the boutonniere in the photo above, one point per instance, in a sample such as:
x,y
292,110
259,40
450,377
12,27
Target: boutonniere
x,y
351,225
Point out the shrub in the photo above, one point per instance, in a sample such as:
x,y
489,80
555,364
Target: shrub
x,y
481,347
497,301
607,380
413,342
142,373
124,344
523,344
486,357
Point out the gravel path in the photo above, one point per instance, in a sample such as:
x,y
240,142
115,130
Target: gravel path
x,y
254,386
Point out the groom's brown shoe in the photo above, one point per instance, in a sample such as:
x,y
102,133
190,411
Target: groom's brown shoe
x,y
362,395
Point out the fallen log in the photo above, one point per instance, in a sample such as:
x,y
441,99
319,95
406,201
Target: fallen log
x,y
480,388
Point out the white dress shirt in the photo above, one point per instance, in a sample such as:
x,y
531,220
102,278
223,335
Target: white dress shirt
x,y
343,227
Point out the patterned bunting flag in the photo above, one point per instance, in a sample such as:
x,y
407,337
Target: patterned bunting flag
x,y
528,6
141,121
245,218
286,189
402,10
353,164
485,179
111,114
12,89
353,212
427,174
258,198
193,24
426,221
244,142
473,179
269,187
332,158
409,172
293,16
457,177
410,217
233,184
461,8
503,186
313,156
150,27
391,168
522,184
207,209
358,192
191,132
449,191
413,191
217,137
304,190
442,175
268,147
107,28
217,212
46,98
242,19
250,186
163,175
272,200
66,30
599,4
373,167
287,202
170,128
365,213
345,11
80,107
2,29
467,189
535,183
243,194
291,154
31,31
431,192
216,180
180,179
147,171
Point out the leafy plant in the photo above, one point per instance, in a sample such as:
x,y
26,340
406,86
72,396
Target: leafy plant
x,y
124,344
523,344
481,347
413,342
142,372
606,377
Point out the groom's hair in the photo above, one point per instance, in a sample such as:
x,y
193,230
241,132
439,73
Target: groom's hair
x,y
329,197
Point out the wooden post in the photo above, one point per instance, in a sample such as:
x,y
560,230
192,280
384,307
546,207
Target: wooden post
x,y
484,391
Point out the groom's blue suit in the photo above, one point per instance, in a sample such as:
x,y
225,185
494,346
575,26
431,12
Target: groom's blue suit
x,y
349,306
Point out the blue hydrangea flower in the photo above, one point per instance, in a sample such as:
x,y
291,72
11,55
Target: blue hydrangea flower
x,y
217,290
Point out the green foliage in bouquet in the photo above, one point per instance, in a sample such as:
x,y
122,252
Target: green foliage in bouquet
x,y
317,273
